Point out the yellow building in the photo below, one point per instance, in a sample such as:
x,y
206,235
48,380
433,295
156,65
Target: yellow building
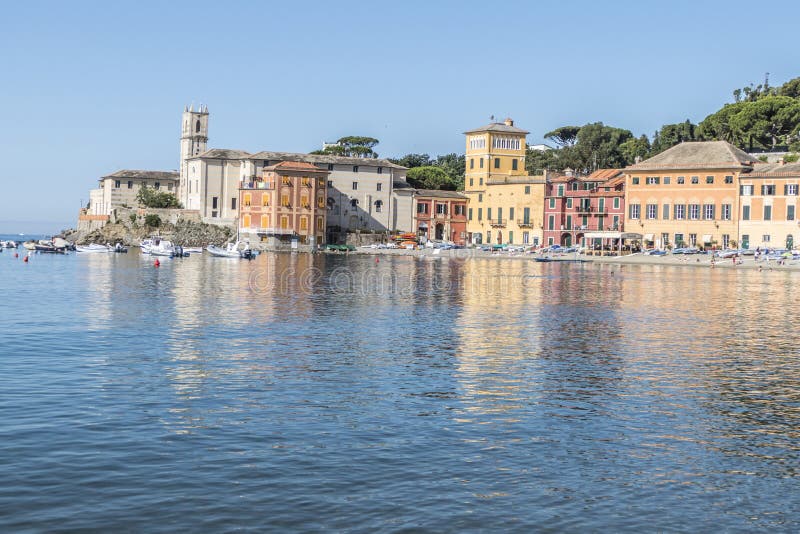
x,y
506,205
687,195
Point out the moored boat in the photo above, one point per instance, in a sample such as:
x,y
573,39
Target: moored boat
x,y
93,248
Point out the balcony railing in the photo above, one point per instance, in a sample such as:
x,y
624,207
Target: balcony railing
x,y
524,223
497,222
266,230
257,184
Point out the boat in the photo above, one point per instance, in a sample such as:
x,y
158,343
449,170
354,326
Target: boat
x,y
29,245
193,250
162,247
93,248
543,259
8,244
232,250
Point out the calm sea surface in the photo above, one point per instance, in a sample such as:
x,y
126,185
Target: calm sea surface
x,y
308,393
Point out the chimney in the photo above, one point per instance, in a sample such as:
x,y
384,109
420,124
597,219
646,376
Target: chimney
x,y
509,122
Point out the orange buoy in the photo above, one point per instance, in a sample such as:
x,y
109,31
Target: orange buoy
x,y
25,260
377,260
16,254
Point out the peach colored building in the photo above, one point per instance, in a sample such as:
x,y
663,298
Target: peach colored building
x,y
768,211
287,203
687,195
441,215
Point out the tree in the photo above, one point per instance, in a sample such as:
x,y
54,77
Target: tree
x,y
717,125
635,148
790,88
430,177
454,165
564,136
598,147
354,146
413,160
767,121
152,198
672,134
538,161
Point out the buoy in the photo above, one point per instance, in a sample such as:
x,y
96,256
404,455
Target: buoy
x,y
16,254
25,260
377,260
156,263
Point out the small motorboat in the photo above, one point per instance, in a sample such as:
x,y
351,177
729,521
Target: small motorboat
x,y
29,245
544,259
8,244
162,247
233,250
193,250
92,248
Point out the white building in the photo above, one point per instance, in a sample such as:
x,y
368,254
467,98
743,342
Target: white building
x,y
119,190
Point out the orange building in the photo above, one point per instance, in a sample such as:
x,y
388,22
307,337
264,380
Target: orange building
x,y
287,203
768,212
441,215
687,195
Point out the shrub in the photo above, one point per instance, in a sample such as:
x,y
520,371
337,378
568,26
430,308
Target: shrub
x,y
152,220
150,198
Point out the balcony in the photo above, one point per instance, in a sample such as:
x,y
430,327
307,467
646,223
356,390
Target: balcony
x,y
440,215
257,184
497,222
524,223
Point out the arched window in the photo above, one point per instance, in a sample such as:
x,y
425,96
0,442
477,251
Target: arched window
x,y
331,203
378,206
197,126
354,202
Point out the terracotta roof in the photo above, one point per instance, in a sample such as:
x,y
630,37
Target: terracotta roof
x,y
294,166
776,169
697,155
222,153
144,175
498,127
603,174
324,158
440,194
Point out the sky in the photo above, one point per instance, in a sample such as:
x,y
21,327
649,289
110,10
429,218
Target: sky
x,y
88,88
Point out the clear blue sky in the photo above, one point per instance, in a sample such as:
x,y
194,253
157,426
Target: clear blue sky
x,y
91,87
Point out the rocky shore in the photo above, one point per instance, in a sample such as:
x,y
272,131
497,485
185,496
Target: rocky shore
x,y
185,233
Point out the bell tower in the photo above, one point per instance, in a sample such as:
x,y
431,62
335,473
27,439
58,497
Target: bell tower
x,y
194,140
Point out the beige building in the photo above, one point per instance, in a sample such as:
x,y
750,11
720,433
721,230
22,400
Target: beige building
x,y
768,206
119,190
687,195
506,205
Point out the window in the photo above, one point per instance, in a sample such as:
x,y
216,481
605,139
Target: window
x,y
665,212
157,185
320,223
768,189
551,222
378,206
666,180
380,170
510,216
680,212
471,182
789,213
692,239
214,201
355,186
510,237
233,203
526,215
679,240
726,239
635,180
652,180
117,184
652,211
788,189
634,210
561,190
552,203
422,207
441,208
284,222
130,184
745,190
767,213
470,214
709,179
285,199
480,197
528,190
694,211
489,213
616,203
745,213
248,198
745,241
480,161
615,222
765,238
496,163
459,209
513,168
320,202
526,237
480,214
471,163
664,239
569,203
197,127
379,186
355,168
708,212
265,221
330,166
726,212
330,183
729,179
354,203
695,180
480,181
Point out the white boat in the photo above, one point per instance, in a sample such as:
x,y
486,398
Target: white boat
x,y
93,248
8,244
162,247
193,250
230,251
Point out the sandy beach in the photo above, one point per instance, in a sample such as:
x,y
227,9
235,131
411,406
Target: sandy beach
x,y
678,260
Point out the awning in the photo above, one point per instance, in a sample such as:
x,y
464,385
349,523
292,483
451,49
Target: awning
x,y
706,238
602,235
648,237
